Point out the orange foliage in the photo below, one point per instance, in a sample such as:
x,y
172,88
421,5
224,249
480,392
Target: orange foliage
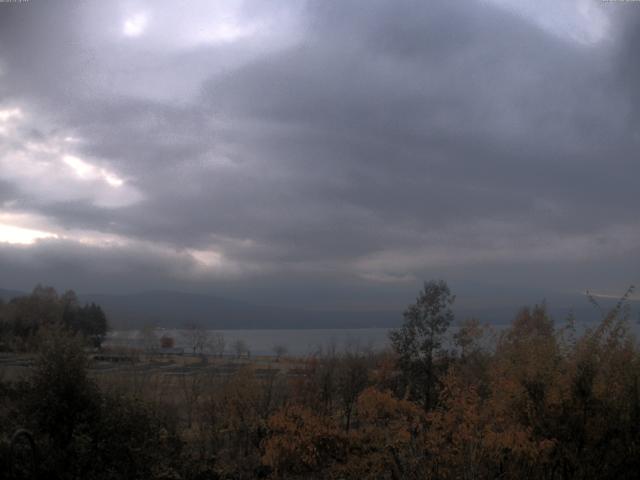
x,y
301,441
386,442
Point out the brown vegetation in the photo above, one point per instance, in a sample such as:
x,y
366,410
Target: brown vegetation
x,y
535,401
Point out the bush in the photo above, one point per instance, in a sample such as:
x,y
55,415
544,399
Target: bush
x,y
81,432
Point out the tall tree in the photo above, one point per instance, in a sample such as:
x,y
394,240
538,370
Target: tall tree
x,y
89,320
41,308
95,323
420,337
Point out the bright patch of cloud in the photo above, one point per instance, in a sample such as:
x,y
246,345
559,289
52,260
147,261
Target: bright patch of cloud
x,y
24,236
23,229
219,22
97,239
135,25
80,167
9,113
111,179
6,115
206,258
583,21
47,165
26,229
86,171
228,31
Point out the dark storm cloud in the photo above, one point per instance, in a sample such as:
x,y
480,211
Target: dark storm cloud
x,y
370,117
73,265
628,63
378,143
7,192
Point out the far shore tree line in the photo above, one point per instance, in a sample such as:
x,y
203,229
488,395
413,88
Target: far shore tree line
x,y
536,400
200,341
22,317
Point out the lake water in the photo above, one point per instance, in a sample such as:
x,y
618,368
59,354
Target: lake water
x,y
262,342
297,342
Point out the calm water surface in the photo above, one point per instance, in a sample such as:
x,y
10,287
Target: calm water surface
x,y
262,342
298,341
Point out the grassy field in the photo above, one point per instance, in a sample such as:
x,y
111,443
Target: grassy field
x,y
180,381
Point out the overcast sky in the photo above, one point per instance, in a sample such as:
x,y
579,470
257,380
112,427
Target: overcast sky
x,y
325,154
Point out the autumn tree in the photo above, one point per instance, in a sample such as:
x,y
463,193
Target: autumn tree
x,y
245,402
473,341
595,419
353,376
469,337
387,441
302,443
420,337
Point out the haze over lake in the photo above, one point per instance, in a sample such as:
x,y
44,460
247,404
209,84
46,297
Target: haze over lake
x,y
302,342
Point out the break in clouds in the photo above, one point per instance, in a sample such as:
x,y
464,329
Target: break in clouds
x,y
323,154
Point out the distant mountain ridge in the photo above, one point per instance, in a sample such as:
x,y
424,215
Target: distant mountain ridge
x,y
7,295
175,309
171,309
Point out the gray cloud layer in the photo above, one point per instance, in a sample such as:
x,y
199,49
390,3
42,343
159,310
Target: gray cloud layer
x,y
331,154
